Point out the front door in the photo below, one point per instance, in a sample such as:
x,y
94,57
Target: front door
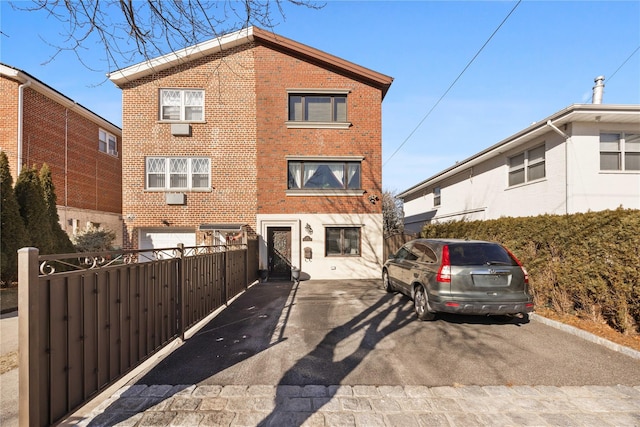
x,y
279,252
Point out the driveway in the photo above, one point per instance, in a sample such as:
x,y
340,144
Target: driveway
x,y
340,332
324,334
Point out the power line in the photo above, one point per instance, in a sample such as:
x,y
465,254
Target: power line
x,y
452,84
622,65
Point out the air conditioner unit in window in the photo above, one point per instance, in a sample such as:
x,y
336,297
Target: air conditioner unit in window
x,y
176,198
180,129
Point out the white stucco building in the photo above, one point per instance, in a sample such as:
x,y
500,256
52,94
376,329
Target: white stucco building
x,y
585,157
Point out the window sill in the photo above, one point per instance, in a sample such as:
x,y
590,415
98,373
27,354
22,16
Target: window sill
x,y
114,155
328,192
619,172
168,122
177,190
318,125
524,184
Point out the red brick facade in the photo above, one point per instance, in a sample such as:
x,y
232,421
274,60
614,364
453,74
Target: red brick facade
x,y
64,135
275,73
244,133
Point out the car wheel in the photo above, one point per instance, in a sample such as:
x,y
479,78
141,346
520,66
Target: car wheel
x,y
421,305
386,282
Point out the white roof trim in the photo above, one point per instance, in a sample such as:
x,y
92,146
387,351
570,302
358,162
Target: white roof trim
x,y
58,97
190,53
573,113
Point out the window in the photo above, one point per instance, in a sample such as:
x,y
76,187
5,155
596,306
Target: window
x,y
436,196
182,104
324,175
342,241
178,173
527,166
317,107
619,152
107,143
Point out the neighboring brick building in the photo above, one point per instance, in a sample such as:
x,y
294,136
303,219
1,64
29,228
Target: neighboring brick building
x,y
257,132
40,125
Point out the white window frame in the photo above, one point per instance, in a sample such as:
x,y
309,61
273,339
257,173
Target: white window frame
x,y
623,150
527,165
107,142
182,106
167,172
437,196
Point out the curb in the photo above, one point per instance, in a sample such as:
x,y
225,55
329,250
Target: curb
x,y
587,336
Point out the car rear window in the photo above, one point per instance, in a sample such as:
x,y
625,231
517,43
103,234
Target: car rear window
x,y
479,254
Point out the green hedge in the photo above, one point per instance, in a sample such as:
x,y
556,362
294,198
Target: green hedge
x,y
582,264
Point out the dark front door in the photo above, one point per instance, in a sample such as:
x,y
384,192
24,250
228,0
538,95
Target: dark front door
x,y
279,252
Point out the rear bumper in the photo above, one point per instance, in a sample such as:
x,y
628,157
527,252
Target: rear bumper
x,y
482,308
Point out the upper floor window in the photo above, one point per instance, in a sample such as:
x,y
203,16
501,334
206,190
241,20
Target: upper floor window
x,y
182,104
317,108
619,151
436,196
324,175
107,143
178,173
527,166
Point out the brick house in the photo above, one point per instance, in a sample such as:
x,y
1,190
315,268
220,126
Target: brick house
x,y
256,135
40,125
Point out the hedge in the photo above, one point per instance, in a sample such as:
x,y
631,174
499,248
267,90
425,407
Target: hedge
x,y
585,264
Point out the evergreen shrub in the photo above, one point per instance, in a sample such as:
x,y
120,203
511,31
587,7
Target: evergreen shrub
x,y
586,264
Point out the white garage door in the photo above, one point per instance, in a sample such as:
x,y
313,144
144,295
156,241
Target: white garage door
x,y
156,239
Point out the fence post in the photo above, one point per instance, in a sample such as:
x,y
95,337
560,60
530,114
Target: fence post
x,y
181,291
28,320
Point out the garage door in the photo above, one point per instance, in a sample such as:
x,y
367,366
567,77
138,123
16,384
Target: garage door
x,y
162,239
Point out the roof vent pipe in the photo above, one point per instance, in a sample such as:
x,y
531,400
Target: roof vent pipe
x,y
598,90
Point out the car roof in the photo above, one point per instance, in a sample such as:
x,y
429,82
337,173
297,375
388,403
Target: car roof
x,y
447,241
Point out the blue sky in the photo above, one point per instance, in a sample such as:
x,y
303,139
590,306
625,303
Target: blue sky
x,y
541,60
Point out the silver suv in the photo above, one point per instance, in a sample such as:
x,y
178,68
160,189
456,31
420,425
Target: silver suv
x,y
459,276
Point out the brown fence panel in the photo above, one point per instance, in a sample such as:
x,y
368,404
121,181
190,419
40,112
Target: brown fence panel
x,y
393,243
83,329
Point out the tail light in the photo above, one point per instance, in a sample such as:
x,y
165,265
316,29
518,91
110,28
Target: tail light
x,y
444,272
524,270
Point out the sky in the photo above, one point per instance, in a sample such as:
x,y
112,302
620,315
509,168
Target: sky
x,y
466,74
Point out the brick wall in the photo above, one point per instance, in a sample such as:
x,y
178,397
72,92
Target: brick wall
x,y
277,72
227,137
9,121
67,141
245,136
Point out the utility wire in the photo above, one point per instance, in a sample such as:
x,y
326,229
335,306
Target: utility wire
x,y
622,65
452,84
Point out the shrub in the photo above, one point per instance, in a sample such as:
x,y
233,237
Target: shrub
x,y
13,234
94,240
583,264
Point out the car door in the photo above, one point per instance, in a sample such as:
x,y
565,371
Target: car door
x,y
399,266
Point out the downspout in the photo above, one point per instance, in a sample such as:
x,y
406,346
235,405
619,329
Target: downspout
x,y
20,120
566,164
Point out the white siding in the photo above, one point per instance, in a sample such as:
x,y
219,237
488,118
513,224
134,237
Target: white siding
x,y
573,181
367,265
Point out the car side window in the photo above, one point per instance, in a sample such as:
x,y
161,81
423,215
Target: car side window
x,y
426,253
402,253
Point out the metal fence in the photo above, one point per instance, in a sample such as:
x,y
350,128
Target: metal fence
x,y
85,320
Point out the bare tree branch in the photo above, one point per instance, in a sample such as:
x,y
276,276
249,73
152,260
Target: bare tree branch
x,y
133,31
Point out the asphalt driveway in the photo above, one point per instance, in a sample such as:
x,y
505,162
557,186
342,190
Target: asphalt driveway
x,y
328,353
353,332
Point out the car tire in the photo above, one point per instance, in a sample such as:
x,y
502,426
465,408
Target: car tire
x,y
386,282
421,305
